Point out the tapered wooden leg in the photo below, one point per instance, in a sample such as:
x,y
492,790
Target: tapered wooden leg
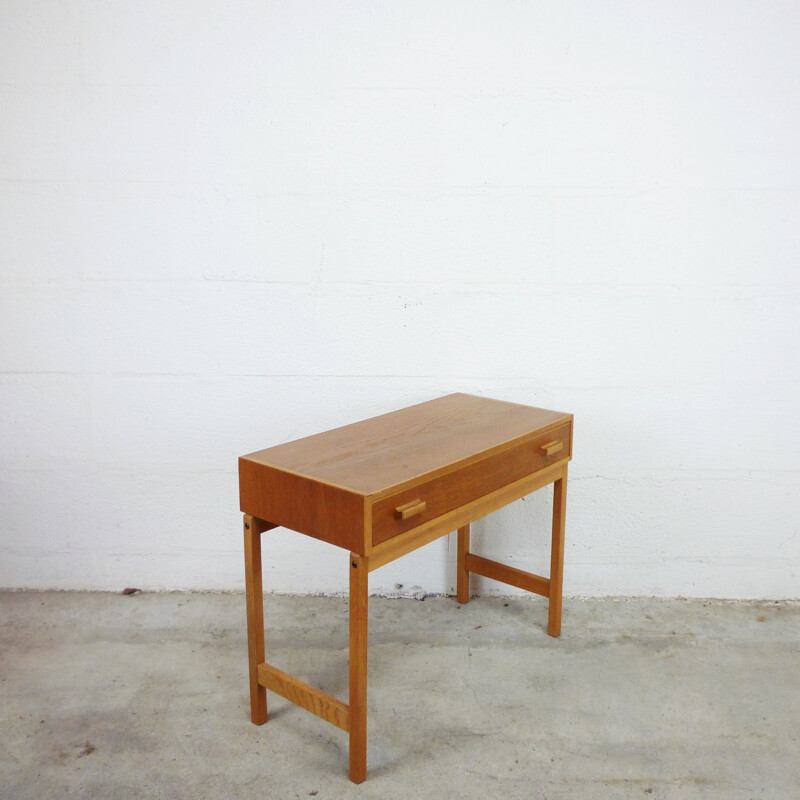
x,y
557,554
462,573
255,616
359,574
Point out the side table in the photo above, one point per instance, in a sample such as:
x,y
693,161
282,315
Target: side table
x,y
380,489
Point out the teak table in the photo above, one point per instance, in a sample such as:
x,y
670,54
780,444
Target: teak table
x,y
383,487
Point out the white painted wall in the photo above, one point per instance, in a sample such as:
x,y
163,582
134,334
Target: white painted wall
x,y
229,224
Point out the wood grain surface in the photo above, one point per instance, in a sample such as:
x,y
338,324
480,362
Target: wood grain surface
x,y
379,453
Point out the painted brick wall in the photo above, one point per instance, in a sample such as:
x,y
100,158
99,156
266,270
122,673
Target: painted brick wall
x,y
226,225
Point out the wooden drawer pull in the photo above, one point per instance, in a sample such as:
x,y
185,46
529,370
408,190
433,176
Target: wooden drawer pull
x,y
411,509
552,447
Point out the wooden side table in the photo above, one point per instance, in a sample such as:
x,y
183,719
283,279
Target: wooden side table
x,y
383,487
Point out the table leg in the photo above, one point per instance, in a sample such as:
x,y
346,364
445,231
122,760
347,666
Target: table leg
x,y
462,573
359,608
255,616
557,554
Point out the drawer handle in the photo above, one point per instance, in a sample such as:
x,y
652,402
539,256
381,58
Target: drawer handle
x,y
552,447
408,510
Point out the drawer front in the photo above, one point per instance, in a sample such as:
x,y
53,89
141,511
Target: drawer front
x,y
411,507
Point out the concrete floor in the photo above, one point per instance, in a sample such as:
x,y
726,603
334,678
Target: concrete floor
x,y
145,696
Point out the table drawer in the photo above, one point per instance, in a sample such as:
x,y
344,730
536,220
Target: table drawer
x,y
408,508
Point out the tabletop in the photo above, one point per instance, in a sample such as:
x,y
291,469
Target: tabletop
x,y
375,454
